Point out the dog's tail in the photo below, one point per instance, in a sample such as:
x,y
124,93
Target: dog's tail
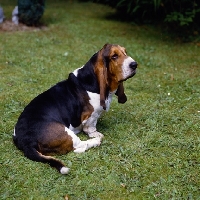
x,y
34,155
31,153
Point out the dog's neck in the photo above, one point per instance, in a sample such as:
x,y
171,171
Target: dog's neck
x,y
87,78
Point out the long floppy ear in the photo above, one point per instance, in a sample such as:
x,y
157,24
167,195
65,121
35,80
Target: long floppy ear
x,y
120,93
101,73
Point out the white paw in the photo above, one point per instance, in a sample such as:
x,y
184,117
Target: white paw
x,y
96,134
64,170
80,150
96,141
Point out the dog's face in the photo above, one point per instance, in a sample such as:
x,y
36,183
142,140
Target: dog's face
x,y
113,66
120,66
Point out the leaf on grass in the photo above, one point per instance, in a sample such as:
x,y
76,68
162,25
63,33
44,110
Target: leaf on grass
x,y
66,197
123,185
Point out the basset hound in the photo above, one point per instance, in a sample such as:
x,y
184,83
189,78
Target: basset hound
x,y
50,122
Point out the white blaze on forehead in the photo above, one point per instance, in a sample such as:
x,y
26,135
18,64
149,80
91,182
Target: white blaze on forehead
x,y
127,71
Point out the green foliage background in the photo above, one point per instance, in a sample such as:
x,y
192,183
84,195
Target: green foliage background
x,y
180,17
30,11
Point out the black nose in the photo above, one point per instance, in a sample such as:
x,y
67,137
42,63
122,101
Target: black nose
x,y
133,65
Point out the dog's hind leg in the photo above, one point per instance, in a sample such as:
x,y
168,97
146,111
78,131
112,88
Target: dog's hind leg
x,y
81,146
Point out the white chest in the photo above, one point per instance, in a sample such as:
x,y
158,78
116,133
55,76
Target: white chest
x,y
98,109
95,101
109,100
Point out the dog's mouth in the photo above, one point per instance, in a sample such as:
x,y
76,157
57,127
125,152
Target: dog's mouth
x,y
132,74
129,76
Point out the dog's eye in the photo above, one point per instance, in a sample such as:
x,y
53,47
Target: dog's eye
x,y
115,56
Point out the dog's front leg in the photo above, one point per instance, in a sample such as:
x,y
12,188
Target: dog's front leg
x,y
89,127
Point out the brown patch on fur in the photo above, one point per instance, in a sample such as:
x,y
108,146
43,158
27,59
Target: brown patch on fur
x,y
87,111
115,73
101,76
87,107
55,140
101,73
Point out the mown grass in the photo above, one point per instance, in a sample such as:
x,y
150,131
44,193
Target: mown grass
x,y
151,144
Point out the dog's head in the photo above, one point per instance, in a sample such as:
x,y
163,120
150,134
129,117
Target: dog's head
x,y
113,66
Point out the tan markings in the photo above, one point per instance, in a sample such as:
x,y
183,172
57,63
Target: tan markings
x,y
101,73
47,157
55,140
87,111
115,71
86,114
87,107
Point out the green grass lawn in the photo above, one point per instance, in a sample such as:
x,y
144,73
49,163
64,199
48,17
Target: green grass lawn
x,y
151,148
